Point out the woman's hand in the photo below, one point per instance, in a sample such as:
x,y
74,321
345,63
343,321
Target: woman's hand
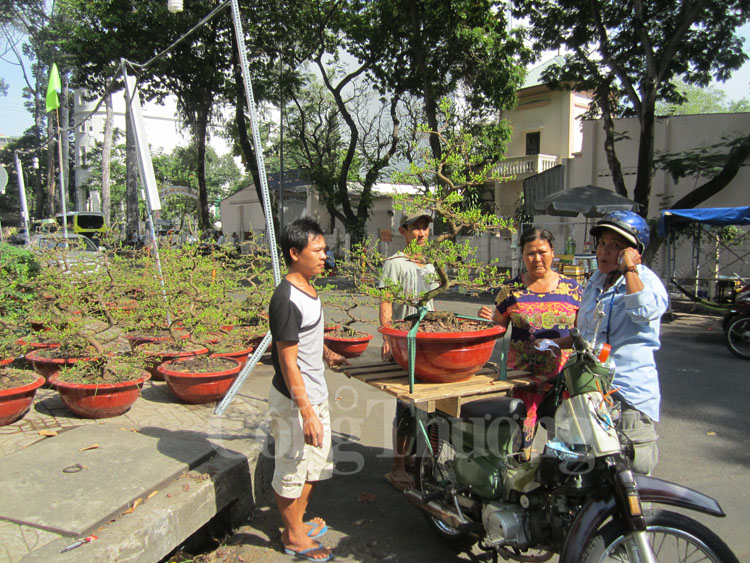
x,y
628,259
485,313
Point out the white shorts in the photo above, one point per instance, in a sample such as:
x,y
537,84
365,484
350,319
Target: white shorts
x,y
297,462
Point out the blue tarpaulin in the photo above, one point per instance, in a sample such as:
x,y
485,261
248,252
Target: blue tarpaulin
x,y
709,216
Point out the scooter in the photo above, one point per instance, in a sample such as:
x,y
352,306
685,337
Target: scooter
x,y
736,325
578,499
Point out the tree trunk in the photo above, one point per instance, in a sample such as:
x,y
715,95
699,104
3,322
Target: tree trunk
x,y
430,104
131,168
603,94
642,191
106,159
200,139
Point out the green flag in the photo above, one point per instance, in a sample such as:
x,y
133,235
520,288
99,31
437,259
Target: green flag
x,y
54,85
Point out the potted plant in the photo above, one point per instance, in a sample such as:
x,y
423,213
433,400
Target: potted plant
x,y
447,348
343,338
215,297
102,388
17,390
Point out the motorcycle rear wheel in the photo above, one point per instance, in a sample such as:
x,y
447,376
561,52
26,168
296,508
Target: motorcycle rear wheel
x,y
738,337
435,473
673,537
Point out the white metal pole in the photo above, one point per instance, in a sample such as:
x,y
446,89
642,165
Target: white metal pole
x,y
242,50
22,194
62,176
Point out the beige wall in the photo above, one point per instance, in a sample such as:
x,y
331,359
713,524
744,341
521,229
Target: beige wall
x,y
673,134
553,114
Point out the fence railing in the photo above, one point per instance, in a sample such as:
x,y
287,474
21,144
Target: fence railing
x,y
526,165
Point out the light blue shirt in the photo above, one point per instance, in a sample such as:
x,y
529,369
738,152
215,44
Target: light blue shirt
x,y
631,327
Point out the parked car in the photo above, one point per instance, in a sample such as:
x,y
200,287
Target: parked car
x,y
67,251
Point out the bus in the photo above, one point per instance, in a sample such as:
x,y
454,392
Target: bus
x,y
88,223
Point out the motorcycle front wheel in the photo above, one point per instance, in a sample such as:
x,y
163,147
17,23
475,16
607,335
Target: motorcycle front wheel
x,y
738,337
674,538
435,473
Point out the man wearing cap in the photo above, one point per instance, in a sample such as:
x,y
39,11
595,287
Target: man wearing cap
x,y
413,277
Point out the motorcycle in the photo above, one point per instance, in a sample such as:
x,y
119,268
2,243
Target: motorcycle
x,y
736,325
578,499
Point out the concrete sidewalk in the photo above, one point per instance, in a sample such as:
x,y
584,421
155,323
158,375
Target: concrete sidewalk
x,y
142,482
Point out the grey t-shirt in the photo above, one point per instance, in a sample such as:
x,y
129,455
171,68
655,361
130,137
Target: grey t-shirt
x,y
413,278
295,316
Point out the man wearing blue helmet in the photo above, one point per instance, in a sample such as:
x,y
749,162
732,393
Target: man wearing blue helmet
x,y
633,299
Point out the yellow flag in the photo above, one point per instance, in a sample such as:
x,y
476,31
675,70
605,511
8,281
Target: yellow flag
x,y
52,88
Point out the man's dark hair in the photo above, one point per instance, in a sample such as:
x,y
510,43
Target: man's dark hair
x,y
533,233
296,235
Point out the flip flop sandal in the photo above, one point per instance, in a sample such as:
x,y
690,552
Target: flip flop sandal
x,y
314,525
303,554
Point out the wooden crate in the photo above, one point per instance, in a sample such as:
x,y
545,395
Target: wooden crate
x,y
445,397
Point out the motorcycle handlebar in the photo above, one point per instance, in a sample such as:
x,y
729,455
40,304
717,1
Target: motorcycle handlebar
x,y
579,343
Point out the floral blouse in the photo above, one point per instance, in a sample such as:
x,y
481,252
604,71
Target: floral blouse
x,y
542,315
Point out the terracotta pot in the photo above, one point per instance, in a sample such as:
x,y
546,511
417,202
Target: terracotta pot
x,y
137,339
47,366
240,355
198,387
444,357
156,357
14,403
99,400
348,347
5,361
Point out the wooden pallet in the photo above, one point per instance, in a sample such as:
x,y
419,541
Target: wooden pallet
x,y
445,397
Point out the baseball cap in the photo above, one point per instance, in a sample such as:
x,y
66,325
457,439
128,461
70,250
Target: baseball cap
x,y
409,218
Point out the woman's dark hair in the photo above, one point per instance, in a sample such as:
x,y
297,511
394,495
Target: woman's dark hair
x,y
296,235
532,234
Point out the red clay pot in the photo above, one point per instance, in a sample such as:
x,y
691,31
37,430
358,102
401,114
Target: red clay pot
x,y
14,403
99,400
198,388
348,347
444,357
48,366
240,355
136,339
154,358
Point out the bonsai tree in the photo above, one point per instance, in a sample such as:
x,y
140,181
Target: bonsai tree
x,y
452,186
18,267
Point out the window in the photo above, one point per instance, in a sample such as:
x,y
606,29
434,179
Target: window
x,y
533,142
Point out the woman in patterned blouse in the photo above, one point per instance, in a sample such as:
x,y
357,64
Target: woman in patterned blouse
x,y
539,303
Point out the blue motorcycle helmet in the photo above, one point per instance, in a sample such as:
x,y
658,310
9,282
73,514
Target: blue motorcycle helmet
x,y
627,224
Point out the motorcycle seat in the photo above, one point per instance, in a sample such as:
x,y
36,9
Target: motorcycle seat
x,y
494,408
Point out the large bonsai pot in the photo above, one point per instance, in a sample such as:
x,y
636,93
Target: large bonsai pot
x,y
99,400
15,402
47,366
349,347
203,387
159,352
444,357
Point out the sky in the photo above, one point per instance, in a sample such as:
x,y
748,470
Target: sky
x,y
14,119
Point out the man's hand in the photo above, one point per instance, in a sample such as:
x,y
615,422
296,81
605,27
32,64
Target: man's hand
x,y
312,428
332,359
385,351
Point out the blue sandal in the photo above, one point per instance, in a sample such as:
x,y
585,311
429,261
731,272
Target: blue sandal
x,y
303,553
314,525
